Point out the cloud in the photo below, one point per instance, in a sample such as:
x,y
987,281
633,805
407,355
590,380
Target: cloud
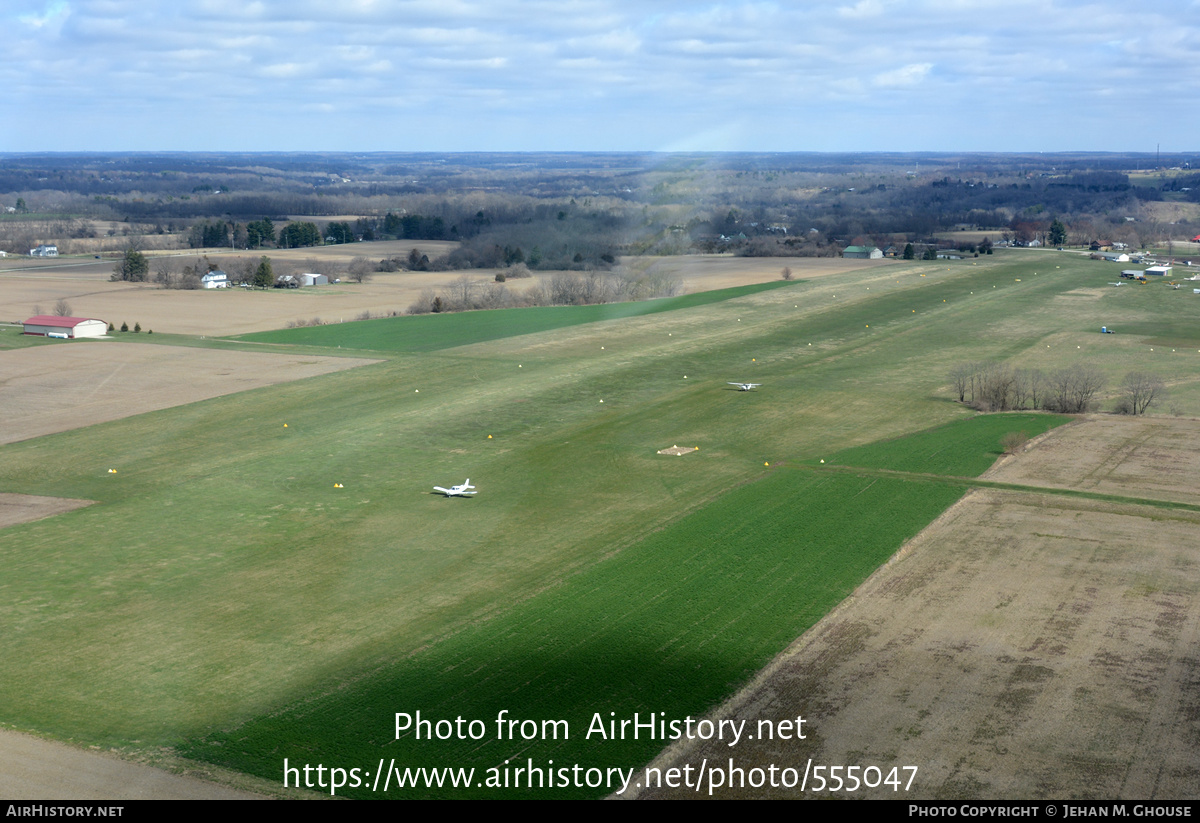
x,y
577,73
906,76
51,19
862,9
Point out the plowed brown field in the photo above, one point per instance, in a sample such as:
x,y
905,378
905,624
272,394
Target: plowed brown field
x,y
1025,645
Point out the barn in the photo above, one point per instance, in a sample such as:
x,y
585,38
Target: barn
x,y
50,326
865,252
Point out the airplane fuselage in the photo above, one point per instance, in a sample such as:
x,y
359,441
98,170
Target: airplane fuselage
x,y
456,491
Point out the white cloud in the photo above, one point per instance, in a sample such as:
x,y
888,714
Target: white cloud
x,y
51,18
582,70
284,70
903,77
862,9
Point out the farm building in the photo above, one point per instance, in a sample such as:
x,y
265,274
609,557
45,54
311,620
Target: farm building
x,y
312,279
50,326
44,251
1160,271
215,279
864,252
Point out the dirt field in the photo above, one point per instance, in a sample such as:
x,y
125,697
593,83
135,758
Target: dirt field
x,y
84,284
35,769
25,508
1150,457
1026,645
48,389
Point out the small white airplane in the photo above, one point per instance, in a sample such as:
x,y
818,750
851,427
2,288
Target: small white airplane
x,y
456,491
1116,284
744,386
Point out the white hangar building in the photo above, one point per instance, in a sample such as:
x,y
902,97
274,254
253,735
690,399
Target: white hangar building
x,y
67,327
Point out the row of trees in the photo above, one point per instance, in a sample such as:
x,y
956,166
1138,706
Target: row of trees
x,y
1073,389
561,289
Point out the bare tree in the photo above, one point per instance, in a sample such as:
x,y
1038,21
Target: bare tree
x,y
996,385
62,308
1139,391
1072,389
786,274
1034,386
960,377
163,275
360,269
460,294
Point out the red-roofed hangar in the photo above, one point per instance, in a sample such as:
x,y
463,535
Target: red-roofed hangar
x,y
65,327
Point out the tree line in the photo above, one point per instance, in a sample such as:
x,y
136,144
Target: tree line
x,y
994,387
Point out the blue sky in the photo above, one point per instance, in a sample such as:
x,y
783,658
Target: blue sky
x,y
500,75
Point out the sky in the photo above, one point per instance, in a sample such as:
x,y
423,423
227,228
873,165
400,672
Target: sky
x,y
599,75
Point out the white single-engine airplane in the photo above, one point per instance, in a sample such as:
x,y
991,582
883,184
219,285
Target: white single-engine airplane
x,y
456,491
744,386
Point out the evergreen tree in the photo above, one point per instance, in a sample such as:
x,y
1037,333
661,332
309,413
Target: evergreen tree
x,y
264,277
132,267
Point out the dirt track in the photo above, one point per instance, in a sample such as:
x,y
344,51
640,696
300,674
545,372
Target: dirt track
x,y
1026,645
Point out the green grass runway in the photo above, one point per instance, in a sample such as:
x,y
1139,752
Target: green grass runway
x,y
224,600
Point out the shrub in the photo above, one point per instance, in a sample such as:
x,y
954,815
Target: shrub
x,y
1014,442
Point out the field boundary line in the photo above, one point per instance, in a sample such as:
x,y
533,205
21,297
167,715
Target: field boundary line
x,y
974,482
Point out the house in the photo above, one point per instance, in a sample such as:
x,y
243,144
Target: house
x,y
45,325
44,251
863,252
215,279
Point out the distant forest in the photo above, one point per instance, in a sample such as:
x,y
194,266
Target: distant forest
x,y
583,210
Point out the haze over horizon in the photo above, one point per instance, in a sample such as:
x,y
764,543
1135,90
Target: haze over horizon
x,y
586,75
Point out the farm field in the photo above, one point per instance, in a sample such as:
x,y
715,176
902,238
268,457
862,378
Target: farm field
x,y
52,388
1026,645
1157,457
86,775
84,284
235,606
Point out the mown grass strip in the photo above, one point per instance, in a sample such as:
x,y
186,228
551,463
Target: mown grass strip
x,y
432,332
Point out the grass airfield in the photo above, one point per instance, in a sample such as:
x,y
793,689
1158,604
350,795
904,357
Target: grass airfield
x,y
226,602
